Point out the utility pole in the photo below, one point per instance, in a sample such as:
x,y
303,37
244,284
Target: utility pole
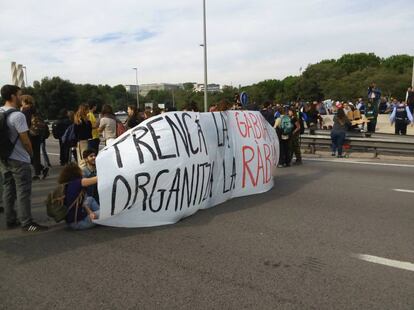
x,y
173,98
137,86
412,78
205,56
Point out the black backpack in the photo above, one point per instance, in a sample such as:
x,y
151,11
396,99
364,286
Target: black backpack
x,y
7,146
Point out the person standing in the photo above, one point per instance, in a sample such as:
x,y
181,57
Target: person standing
x,y
58,129
107,124
133,117
371,113
341,124
410,99
83,131
15,167
94,142
284,128
38,133
401,116
295,138
36,126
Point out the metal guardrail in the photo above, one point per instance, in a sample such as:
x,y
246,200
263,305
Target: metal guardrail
x,y
377,145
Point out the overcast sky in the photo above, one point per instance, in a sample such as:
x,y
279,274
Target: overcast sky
x,y
99,42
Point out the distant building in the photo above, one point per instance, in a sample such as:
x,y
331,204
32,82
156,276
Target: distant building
x,y
144,89
132,89
210,88
17,75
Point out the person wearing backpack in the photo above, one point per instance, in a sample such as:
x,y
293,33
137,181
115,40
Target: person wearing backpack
x,y
15,160
284,128
37,128
58,130
81,209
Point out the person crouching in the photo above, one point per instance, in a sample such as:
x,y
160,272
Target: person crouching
x,y
82,209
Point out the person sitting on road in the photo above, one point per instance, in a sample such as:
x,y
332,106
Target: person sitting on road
x,y
89,171
340,126
82,209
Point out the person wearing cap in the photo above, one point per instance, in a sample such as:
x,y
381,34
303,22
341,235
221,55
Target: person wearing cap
x,y
89,171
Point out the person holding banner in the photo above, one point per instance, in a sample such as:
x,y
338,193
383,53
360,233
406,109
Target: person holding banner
x,y
82,209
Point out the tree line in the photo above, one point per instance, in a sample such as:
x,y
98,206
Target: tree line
x,y
346,78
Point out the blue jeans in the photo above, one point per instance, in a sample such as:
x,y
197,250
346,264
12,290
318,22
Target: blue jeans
x,y
338,139
86,223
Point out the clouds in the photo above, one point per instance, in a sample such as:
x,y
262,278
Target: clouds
x,y
248,41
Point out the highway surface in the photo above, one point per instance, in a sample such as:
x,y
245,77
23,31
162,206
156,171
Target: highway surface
x,y
330,235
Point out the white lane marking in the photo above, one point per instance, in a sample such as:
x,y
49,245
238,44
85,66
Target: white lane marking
x,y
403,190
385,261
346,161
53,154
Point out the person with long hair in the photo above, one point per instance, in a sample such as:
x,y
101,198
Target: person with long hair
x,y
107,124
82,209
36,128
83,131
133,117
223,105
339,129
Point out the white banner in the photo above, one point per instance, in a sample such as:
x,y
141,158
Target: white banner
x,y
176,163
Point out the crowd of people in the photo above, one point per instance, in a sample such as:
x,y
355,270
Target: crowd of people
x,y
24,132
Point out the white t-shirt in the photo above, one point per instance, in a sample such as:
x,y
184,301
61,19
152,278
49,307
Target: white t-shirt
x,y
17,124
109,125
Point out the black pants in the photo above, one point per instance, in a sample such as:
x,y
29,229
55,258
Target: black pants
x,y
295,149
285,152
372,125
64,153
94,145
37,165
400,127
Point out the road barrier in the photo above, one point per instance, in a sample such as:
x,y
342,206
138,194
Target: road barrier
x,y
381,144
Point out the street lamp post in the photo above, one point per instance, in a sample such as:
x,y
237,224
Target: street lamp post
x,y
205,56
136,83
412,78
25,75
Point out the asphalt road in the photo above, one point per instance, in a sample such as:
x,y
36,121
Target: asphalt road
x,y
294,247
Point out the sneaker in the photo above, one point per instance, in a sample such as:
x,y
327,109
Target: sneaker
x,y
35,178
298,162
34,227
45,172
340,156
14,224
333,154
